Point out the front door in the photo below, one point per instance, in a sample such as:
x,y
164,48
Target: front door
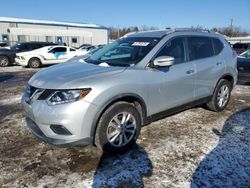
x,y
56,55
172,86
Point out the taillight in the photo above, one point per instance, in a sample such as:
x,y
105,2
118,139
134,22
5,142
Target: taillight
x,y
234,54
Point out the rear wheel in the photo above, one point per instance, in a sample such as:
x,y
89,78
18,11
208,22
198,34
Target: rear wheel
x,y
221,96
118,128
35,63
4,61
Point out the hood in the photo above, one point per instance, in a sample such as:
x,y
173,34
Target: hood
x,y
3,49
72,75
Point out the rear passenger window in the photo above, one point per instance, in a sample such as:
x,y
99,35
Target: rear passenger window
x,y
218,46
174,48
200,47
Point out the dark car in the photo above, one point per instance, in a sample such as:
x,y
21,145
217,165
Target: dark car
x,y
241,47
243,65
7,55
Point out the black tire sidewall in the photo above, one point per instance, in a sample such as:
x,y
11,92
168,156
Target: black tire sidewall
x,y
101,133
220,84
2,56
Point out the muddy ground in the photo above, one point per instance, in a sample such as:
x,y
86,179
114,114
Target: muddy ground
x,y
194,148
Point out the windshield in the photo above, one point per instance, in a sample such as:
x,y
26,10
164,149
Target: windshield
x,y
15,46
124,52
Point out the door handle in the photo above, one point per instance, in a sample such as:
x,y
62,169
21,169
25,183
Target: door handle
x,y
219,63
190,71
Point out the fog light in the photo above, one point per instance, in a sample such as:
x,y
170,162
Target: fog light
x,y
59,129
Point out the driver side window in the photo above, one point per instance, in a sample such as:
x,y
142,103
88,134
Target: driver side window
x,y
58,49
174,48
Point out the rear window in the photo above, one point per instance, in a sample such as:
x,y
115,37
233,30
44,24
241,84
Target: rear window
x,y
200,47
218,46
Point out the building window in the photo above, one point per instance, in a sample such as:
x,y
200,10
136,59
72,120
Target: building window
x,y
74,40
49,39
21,38
12,24
5,38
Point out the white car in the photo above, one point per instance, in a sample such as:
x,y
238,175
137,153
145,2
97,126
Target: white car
x,y
47,55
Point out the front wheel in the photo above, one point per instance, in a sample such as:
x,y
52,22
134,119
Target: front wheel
x,y
4,61
34,63
118,128
221,96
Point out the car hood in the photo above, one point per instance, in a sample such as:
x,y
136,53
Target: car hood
x,y
72,75
2,49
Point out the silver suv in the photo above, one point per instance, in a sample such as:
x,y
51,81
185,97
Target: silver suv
x,y
105,99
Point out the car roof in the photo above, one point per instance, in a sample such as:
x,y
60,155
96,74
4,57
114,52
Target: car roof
x,y
162,33
153,34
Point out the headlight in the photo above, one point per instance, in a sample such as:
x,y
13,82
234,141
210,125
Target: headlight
x,y
22,57
66,96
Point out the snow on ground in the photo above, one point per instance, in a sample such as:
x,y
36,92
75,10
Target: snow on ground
x,y
194,148
13,100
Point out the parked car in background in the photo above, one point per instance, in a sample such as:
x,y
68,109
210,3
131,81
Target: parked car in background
x,y
86,47
47,55
243,66
7,55
241,47
87,55
106,99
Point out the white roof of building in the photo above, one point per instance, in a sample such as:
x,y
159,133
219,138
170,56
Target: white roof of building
x,y
47,22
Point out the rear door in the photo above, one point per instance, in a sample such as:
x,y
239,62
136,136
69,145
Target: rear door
x,y
205,53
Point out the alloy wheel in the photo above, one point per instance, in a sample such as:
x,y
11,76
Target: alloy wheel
x,y
121,129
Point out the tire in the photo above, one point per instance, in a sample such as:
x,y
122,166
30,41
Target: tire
x,y
221,96
118,128
34,62
4,61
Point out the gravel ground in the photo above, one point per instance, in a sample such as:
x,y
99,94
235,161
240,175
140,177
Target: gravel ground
x,y
194,148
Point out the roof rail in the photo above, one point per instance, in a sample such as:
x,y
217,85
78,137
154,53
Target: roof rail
x,y
191,29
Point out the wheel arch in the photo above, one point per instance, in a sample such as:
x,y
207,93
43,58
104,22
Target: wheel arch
x,y
227,77
131,98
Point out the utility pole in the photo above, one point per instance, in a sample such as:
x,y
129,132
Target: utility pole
x,y
231,23
118,32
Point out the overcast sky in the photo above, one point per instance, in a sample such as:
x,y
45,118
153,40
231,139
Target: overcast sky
x,y
160,13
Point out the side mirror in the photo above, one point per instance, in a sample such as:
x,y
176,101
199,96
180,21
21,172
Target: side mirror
x,y
164,61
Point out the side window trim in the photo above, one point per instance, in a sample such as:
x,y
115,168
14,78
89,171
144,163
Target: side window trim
x,y
186,54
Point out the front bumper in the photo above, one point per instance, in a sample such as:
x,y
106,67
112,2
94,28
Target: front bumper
x,y
77,117
57,142
21,62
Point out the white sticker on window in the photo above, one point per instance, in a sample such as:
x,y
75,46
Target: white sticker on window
x,y
140,44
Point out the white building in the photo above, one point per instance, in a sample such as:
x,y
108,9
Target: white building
x,y
73,34
234,40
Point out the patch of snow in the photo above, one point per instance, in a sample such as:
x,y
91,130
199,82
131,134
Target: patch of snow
x,y
104,64
12,100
